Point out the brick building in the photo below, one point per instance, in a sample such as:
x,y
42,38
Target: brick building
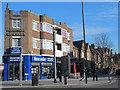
x,y
34,33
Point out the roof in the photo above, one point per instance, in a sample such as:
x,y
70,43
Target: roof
x,y
78,44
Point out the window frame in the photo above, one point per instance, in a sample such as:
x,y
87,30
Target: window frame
x,y
35,43
34,23
16,43
15,21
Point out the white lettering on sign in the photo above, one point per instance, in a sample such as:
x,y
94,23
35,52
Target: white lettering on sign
x,y
15,58
39,59
50,59
15,50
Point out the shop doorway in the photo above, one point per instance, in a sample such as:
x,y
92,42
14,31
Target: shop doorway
x,y
13,71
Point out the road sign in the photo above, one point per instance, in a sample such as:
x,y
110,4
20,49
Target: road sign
x,y
16,50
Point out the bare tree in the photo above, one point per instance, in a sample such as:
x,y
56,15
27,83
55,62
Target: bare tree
x,y
103,41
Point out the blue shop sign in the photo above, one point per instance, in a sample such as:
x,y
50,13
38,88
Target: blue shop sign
x,y
42,59
15,59
16,50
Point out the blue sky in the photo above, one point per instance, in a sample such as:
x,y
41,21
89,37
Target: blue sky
x,y
100,17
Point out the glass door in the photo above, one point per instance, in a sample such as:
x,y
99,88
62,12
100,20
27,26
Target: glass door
x,y
10,72
16,71
13,71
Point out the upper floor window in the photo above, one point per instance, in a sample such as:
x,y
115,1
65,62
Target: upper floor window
x,y
68,36
46,44
82,54
16,23
65,48
64,33
15,42
46,27
88,56
59,47
49,28
34,25
34,43
58,31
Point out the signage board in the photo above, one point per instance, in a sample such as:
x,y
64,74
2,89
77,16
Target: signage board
x,y
42,59
16,50
33,59
14,59
15,34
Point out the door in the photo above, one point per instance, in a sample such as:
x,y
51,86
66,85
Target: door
x,y
10,72
13,71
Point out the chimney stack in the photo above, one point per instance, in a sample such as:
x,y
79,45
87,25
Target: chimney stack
x,y
7,5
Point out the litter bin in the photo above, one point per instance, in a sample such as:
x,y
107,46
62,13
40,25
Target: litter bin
x,y
34,79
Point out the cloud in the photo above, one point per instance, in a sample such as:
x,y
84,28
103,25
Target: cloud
x,y
78,31
106,13
97,30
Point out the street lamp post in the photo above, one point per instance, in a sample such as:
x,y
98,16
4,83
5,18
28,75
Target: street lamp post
x,y
20,70
54,49
85,71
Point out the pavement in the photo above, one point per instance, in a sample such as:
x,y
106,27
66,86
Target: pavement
x,y
49,83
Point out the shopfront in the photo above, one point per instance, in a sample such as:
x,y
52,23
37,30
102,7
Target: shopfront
x,y
43,66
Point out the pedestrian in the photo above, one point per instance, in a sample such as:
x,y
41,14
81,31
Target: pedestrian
x,y
82,75
51,73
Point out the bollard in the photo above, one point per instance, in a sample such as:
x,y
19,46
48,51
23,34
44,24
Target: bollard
x,y
96,78
86,79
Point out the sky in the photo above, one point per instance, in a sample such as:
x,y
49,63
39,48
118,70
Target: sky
x,y
100,17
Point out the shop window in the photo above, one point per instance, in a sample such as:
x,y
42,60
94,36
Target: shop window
x,y
16,42
16,23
